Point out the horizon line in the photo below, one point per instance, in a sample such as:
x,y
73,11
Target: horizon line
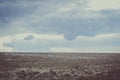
x,y
56,52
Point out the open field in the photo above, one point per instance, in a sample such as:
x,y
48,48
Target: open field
x,y
59,66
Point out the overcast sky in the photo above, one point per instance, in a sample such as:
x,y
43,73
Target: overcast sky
x,y
60,25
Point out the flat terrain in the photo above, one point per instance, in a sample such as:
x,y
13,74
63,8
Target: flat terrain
x,y
59,66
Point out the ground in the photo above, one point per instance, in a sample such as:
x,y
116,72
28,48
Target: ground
x,y
59,66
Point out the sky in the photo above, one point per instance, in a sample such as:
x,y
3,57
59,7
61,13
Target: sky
x,y
59,26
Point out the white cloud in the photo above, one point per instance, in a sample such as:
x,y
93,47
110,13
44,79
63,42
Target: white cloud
x,y
104,4
100,37
5,40
68,49
107,36
49,37
57,43
14,40
5,49
40,36
73,9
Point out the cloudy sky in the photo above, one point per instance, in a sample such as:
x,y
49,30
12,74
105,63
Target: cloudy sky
x,y
60,25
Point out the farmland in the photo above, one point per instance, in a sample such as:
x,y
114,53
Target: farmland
x,y
59,66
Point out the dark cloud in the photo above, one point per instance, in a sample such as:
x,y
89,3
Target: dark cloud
x,y
11,9
29,37
68,23
72,27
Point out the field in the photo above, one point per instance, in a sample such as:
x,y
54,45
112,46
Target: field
x,y
59,66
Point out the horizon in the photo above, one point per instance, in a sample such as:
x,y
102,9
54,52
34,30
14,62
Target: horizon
x,y
64,52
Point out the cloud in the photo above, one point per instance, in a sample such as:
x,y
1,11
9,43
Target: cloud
x,y
5,49
54,42
3,41
26,42
44,25
104,4
65,50
29,37
69,18
87,50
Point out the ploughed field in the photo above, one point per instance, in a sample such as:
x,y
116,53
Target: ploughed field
x,y
59,66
